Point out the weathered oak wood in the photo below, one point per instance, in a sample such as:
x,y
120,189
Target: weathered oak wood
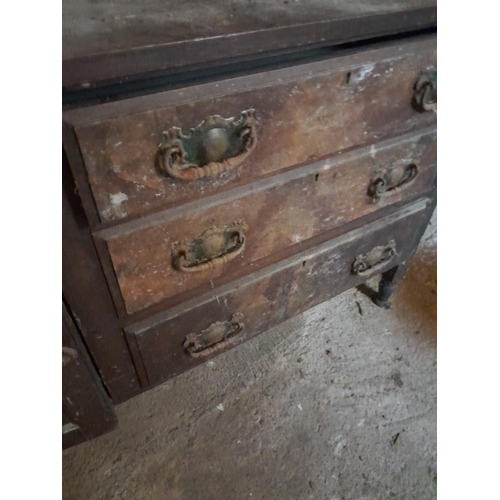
x,y
272,294
278,213
109,40
306,112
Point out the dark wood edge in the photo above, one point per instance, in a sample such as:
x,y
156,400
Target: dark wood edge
x,y
138,360
101,247
73,437
86,292
91,406
134,63
75,161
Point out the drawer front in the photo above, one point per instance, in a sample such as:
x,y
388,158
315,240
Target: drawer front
x,y
203,245
302,113
187,335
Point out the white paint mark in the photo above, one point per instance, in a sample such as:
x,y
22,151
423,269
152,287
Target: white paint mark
x,y
211,363
117,199
373,150
296,238
220,407
117,144
362,73
299,406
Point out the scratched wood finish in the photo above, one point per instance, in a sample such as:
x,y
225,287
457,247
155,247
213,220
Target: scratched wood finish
x,y
106,39
306,112
273,294
87,410
279,212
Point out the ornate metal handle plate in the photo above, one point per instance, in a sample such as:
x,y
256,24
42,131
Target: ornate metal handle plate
x,y
211,249
392,180
216,145
425,95
375,259
216,337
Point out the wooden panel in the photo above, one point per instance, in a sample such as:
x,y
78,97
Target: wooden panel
x,y
279,212
273,294
87,411
106,39
86,292
306,112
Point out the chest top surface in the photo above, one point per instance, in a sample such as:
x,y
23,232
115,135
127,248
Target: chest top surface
x,y
112,39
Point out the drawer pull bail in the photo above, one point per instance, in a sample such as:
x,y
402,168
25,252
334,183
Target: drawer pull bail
x,y
393,180
425,95
216,145
371,262
213,248
216,337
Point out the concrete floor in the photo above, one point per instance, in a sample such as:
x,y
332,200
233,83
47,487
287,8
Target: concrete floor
x,y
338,403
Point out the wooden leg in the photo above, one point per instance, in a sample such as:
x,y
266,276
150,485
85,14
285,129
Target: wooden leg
x,y
387,285
391,277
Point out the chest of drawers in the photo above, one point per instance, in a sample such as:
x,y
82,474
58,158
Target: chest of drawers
x,y
219,179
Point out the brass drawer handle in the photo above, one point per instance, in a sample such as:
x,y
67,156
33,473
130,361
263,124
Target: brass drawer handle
x,y
392,180
425,95
216,145
216,337
211,249
375,259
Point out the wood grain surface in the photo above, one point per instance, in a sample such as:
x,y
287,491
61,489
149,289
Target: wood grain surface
x,y
306,112
273,294
279,212
110,39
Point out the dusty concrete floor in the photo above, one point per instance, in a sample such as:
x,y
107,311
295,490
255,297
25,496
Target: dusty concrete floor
x,y
338,403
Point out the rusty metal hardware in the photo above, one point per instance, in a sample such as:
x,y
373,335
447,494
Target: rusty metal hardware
x,y
392,180
216,145
211,249
425,95
216,337
374,260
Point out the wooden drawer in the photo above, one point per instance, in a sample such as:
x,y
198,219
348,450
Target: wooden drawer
x,y
202,244
241,309
304,113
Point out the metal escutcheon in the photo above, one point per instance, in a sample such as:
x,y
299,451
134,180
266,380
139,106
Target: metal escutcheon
x,y
213,248
371,262
393,180
216,145
425,91
216,337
